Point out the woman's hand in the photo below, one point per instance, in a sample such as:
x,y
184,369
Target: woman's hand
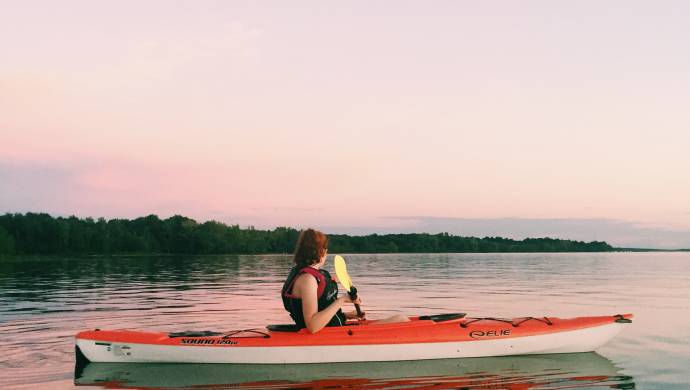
x,y
352,315
347,299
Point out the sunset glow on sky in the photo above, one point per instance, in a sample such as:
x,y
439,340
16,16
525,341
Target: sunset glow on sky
x,y
502,118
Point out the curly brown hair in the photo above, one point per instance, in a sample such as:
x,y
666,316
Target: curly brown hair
x,y
311,246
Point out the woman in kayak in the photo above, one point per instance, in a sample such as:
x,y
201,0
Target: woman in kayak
x,y
310,294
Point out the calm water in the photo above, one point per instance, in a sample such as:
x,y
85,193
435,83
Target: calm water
x,y
44,302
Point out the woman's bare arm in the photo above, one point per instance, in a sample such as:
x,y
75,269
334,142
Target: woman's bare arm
x,y
305,288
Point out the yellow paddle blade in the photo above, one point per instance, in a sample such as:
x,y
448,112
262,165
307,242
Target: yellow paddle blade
x,y
341,272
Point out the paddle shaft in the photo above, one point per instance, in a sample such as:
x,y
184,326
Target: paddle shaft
x,y
353,295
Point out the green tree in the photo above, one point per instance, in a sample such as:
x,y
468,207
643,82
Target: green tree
x,y
6,242
390,247
39,233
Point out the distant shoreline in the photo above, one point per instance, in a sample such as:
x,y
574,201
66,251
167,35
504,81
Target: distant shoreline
x,y
42,234
75,256
650,250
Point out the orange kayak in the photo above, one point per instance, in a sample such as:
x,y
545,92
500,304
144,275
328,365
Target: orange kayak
x,y
426,337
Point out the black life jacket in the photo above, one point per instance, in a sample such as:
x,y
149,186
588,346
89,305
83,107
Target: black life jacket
x,y
326,293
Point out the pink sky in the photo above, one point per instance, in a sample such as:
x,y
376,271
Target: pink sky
x,y
341,115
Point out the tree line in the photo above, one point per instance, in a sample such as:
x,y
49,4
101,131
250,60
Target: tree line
x,y
42,234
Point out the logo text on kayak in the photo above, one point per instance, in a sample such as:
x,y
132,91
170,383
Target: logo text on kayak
x,y
208,342
489,333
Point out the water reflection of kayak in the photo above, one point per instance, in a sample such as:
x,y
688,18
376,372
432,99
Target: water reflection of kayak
x,y
427,337
515,372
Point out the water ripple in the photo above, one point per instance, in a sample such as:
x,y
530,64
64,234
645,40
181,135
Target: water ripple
x,y
44,302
